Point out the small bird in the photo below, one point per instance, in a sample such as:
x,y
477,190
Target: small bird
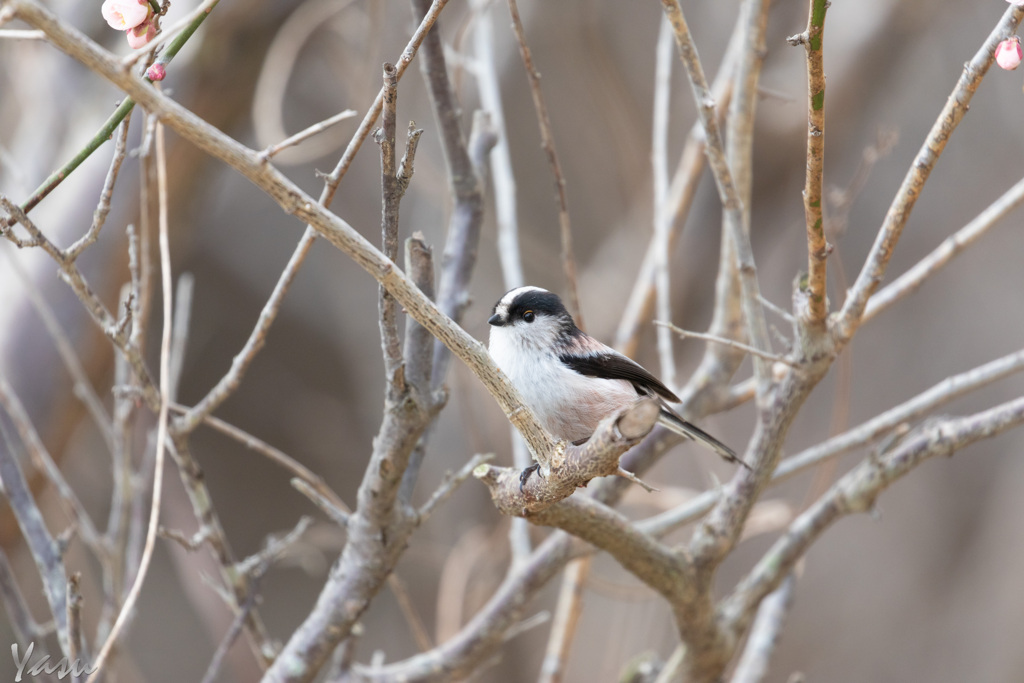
x,y
570,380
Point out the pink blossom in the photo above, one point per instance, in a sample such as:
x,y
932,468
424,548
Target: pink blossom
x,y
156,72
1009,53
141,34
126,14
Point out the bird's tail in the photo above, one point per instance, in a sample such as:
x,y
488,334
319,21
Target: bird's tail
x,y
683,428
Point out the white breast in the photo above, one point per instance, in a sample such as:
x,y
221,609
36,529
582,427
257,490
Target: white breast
x,y
568,404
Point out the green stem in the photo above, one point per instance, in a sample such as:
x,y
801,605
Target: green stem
x,y
111,123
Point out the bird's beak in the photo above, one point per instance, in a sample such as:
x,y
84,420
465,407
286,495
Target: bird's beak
x,y
496,320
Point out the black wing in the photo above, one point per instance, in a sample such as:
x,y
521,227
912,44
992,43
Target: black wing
x,y
616,366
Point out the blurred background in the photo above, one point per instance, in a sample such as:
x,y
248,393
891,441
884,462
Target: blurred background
x,y
928,588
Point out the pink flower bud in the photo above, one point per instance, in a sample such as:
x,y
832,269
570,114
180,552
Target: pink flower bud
x,y
141,34
1009,53
156,72
125,14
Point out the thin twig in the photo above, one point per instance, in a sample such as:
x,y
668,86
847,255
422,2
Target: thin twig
x,y
161,434
336,514
307,133
952,246
422,31
275,455
99,216
237,624
684,334
452,482
273,548
566,618
75,646
408,609
662,219
230,381
489,85
817,248
548,142
765,633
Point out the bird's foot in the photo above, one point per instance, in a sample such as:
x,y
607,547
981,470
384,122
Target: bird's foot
x,y
524,476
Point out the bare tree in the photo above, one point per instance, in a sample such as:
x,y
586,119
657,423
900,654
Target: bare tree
x,y
123,359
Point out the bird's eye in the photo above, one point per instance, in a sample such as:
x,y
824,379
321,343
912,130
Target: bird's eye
x,y
529,316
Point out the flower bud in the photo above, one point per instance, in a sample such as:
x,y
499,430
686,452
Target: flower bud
x,y
156,72
141,34
125,14
1009,53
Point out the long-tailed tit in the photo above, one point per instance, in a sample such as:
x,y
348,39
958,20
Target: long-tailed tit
x,y
570,380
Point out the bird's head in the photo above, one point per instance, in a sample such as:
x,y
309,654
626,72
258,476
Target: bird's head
x,y
531,317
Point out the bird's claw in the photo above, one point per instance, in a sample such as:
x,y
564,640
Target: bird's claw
x,y
524,476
